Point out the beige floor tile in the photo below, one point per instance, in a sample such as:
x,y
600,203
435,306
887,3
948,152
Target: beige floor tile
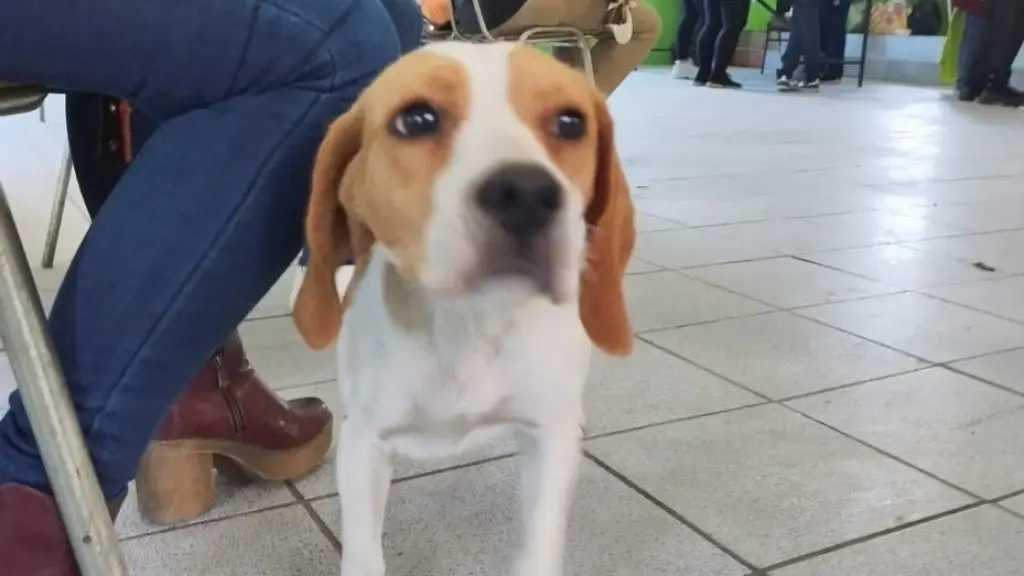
x,y
667,299
1002,296
770,484
465,524
280,542
781,355
922,326
1005,368
789,283
955,427
902,266
982,541
694,247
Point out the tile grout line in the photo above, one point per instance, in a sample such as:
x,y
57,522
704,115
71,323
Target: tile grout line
x,y
874,536
668,510
307,506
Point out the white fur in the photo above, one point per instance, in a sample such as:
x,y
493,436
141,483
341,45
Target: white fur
x,y
498,358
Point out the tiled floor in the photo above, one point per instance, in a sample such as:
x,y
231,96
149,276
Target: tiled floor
x,y
829,378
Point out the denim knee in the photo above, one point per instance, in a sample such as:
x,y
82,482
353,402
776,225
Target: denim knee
x,y
408,21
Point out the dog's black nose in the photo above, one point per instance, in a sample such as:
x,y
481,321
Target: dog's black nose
x,y
522,199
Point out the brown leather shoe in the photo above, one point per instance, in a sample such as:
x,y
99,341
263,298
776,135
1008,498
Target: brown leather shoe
x,y
229,420
32,537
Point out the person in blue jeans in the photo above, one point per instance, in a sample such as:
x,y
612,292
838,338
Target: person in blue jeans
x,y
200,225
804,42
684,50
724,21
834,16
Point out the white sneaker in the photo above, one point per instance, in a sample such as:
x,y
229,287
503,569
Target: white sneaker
x,y
342,278
684,69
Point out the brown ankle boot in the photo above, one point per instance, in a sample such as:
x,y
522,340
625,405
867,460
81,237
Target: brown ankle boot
x,y
32,537
229,420
33,541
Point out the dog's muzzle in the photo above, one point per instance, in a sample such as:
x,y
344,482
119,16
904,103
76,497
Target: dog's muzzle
x,y
521,202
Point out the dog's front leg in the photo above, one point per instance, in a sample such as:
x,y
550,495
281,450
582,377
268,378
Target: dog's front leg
x,y
364,477
549,460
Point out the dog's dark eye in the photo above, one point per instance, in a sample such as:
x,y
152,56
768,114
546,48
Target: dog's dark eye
x,y
419,120
569,124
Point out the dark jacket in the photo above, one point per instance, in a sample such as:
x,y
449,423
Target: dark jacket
x,y
496,13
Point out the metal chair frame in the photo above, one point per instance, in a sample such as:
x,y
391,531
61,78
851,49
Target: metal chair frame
x,y
564,36
43,390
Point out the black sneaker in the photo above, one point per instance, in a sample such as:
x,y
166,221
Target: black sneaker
x,y
831,78
785,84
809,85
1002,96
723,80
965,94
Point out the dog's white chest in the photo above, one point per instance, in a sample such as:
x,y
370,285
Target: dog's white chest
x,y
480,371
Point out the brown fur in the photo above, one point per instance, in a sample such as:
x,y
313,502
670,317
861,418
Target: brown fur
x,y
365,179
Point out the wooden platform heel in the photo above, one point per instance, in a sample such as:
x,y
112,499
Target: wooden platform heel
x,y
229,421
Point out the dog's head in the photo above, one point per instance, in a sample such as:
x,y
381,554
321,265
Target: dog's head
x,y
471,166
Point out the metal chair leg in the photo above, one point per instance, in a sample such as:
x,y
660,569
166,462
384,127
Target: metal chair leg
x,y
588,59
60,199
53,419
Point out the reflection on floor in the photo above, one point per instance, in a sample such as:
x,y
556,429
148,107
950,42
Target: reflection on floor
x,y
829,298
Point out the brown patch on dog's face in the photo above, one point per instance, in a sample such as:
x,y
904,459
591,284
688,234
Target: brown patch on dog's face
x,y
373,182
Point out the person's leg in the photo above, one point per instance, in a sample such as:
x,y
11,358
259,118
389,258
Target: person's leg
x,y
706,41
1001,30
613,62
971,71
833,17
685,32
734,20
210,212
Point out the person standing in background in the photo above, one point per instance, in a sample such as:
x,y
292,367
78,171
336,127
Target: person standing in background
x,y
804,42
1002,37
834,16
685,65
724,21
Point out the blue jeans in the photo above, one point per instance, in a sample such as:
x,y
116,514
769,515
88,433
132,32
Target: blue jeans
x,y
804,40
208,215
834,15
970,59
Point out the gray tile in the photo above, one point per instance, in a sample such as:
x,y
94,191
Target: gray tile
x,y
788,282
693,247
955,427
902,266
281,356
980,541
770,484
322,481
652,386
667,299
782,355
230,500
1015,504
922,326
1005,368
648,223
1002,297
1000,249
883,227
793,236
638,266
465,523
282,542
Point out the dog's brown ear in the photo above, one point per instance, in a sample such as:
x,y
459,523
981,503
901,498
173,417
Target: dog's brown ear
x,y
612,235
332,232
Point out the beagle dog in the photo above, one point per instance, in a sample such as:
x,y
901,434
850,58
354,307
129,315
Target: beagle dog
x,y
479,190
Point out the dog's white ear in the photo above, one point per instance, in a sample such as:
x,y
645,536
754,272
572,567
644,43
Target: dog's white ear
x,y
610,245
333,232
